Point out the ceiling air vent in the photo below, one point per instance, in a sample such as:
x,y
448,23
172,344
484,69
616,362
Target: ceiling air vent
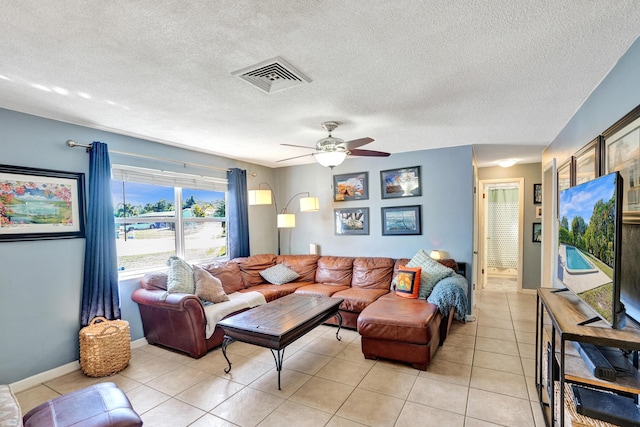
x,y
272,75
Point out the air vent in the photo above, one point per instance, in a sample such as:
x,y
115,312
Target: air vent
x,y
272,75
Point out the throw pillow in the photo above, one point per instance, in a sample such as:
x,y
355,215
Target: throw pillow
x,y
432,272
179,276
279,274
408,282
208,288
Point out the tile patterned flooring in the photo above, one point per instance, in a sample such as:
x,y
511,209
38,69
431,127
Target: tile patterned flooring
x,y
483,376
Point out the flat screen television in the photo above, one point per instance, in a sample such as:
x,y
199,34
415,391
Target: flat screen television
x,y
589,240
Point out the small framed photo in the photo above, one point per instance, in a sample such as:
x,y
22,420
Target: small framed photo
x,y
537,194
538,211
401,220
40,204
351,186
403,182
537,232
351,221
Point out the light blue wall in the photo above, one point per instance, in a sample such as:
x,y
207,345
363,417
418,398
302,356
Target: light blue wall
x,y
41,281
615,96
447,206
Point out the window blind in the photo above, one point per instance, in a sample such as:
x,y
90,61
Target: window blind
x,y
166,178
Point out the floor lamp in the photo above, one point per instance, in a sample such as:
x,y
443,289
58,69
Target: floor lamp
x,y
284,219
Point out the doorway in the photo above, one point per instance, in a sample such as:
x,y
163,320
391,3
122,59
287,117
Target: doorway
x,y
501,229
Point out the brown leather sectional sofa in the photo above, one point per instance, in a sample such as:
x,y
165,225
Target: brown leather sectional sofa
x,y
178,320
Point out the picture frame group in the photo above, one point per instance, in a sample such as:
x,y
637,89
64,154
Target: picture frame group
x,y
40,204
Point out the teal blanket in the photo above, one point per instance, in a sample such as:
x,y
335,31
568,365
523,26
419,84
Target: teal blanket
x,y
451,292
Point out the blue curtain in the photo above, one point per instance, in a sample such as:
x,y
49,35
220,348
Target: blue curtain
x,y
100,284
238,214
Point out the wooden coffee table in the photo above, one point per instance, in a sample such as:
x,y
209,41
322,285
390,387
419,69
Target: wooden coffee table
x,y
278,323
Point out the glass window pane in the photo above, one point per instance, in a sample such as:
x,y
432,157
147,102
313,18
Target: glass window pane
x,y
145,225
203,204
145,248
204,240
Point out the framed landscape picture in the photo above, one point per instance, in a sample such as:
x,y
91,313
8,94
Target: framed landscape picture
x,y
403,182
351,186
351,221
40,204
401,220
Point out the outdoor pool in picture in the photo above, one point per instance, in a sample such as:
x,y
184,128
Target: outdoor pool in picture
x,y
576,262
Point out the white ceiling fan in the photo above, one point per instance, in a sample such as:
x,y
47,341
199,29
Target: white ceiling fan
x,y
331,151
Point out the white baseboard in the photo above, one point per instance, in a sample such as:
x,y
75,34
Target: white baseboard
x,y
43,377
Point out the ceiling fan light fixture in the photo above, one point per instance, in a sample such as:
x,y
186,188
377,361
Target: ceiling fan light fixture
x,y
330,159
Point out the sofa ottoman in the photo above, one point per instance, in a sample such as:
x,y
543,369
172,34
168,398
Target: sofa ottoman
x,y
401,329
99,405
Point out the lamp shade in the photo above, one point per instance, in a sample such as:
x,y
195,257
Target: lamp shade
x,y
436,255
259,197
309,204
330,159
286,220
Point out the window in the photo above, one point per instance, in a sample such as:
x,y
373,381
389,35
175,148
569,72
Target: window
x,y
148,227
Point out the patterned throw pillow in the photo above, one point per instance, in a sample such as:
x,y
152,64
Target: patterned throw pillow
x,y
208,287
279,274
432,272
408,282
180,276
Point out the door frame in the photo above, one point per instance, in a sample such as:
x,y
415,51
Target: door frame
x,y
482,214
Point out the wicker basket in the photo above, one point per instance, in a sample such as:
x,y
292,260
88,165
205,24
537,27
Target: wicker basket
x,y
105,347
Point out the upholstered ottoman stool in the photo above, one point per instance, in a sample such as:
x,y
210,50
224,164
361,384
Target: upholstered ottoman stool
x,y
401,329
99,405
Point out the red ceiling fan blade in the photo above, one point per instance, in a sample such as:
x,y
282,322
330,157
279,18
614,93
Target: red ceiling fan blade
x,y
299,146
355,143
296,157
368,153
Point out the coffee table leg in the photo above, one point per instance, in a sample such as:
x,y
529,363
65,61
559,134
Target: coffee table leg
x,y
278,357
339,316
227,340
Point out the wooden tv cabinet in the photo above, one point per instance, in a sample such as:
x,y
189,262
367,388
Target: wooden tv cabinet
x,y
565,311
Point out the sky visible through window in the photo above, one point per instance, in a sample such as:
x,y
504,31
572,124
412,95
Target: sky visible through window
x,y
141,194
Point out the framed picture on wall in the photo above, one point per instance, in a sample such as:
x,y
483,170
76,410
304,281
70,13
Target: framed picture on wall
x,y
351,186
622,153
537,194
537,232
403,182
401,220
40,204
351,221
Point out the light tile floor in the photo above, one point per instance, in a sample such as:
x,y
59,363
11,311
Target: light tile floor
x,y
483,376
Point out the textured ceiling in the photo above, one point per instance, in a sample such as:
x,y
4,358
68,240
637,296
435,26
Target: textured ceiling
x,y
503,75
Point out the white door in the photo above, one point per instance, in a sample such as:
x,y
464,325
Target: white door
x,y
501,229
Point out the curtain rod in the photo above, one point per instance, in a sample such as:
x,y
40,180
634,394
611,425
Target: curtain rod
x,y
72,143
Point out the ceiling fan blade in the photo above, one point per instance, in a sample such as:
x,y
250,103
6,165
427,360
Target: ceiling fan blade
x,y
291,158
299,146
368,153
355,143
